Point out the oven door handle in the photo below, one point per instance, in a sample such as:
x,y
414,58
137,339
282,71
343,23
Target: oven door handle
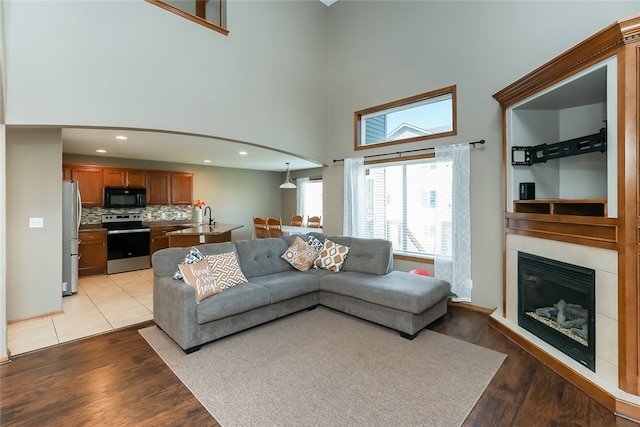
x,y
128,231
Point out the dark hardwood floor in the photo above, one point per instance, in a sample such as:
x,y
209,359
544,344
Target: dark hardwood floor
x,y
117,379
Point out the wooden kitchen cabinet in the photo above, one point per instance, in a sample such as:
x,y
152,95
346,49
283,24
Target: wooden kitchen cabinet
x,y
181,188
158,238
92,251
169,188
158,188
163,187
66,173
123,178
89,184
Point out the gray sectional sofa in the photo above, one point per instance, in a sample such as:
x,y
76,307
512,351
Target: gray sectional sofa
x,y
365,287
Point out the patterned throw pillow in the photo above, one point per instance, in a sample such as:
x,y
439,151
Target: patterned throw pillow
x,y
199,276
300,255
332,256
226,269
314,243
193,256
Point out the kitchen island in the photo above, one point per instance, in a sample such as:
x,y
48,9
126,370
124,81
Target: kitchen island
x,y
201,234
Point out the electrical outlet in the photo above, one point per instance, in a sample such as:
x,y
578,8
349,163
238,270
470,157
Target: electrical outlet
x,y
36,222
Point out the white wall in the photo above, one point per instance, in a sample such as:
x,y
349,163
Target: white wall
x,y
34,190
290,75
133,64
3,248
3,205
380,51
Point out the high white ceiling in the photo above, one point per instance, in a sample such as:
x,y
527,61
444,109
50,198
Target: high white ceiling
x,y
178,148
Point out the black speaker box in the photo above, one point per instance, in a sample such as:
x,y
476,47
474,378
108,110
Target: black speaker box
x,y
527,190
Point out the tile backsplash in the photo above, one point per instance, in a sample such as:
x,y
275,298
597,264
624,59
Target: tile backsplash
x,y
92,215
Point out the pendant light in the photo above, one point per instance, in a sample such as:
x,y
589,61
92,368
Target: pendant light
x,y
287,182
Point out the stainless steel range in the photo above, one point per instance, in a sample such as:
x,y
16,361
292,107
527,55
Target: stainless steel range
x,y
128,242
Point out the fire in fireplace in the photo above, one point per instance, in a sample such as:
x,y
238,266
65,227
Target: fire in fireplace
x,y
556,302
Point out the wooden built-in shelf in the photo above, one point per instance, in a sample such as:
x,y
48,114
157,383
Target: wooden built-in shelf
x,y
580,207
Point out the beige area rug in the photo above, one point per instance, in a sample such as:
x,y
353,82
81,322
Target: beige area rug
x,y
325,368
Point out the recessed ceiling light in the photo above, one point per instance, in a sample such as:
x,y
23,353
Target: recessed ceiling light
x,y
207,161
121,137
243,153
100,150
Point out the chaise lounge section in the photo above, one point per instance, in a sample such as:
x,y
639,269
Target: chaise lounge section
x,y
366,287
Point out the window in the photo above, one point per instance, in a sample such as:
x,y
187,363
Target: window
x,y
209,13
410,204
309,197
424,116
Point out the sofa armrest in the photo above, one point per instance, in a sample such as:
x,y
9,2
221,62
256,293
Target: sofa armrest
x,y
174,310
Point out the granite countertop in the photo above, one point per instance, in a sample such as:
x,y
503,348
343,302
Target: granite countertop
x,y
205,229
98,226
91,227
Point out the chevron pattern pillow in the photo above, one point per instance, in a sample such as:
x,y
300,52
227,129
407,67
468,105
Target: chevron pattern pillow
x,y
332,256
226,269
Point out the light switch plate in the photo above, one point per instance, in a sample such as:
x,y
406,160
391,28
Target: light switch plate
x,y
36,222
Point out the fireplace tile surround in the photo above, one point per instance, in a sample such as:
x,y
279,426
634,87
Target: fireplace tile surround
x,y
605,264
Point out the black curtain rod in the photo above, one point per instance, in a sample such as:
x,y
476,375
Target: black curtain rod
x,y
400,153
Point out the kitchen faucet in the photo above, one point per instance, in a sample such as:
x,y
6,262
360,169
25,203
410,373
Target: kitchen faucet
x,y
205,214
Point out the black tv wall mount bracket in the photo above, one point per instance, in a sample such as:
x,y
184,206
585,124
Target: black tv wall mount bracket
x,y
527,156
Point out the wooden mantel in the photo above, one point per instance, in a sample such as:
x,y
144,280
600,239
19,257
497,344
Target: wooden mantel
x,y
621,41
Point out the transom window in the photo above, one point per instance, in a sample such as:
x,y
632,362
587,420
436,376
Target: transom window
x,y
209,13
424,116
410,204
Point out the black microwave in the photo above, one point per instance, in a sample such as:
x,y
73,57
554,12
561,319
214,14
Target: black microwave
x,y
120,197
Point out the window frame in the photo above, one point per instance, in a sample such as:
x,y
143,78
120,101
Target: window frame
x,y
311,180
358,118
402,256
197,19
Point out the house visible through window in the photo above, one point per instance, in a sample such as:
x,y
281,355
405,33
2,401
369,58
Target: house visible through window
x,y
419,117
410,204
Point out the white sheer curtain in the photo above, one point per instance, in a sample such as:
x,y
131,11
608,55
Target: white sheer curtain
x,y
300,183
354,197
453,249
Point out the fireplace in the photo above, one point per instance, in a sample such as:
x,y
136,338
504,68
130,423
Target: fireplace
x,y
556,302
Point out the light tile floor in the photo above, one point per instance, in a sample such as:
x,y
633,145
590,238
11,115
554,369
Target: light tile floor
x,y
103,303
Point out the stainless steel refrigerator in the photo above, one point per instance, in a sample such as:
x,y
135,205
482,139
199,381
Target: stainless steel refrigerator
x,y
71,212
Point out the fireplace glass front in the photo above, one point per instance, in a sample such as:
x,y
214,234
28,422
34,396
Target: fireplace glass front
x,y
556,302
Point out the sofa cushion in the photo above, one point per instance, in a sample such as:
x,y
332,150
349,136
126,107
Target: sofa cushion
x,y
332,256
259,257
314,242
288,284
194,256
372,256
165,261
235,300
398,289
300,254
226,270
199,276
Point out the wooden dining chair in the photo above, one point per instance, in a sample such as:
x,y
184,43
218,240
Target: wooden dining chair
x,y
260,227
297,220
275,227
314,222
